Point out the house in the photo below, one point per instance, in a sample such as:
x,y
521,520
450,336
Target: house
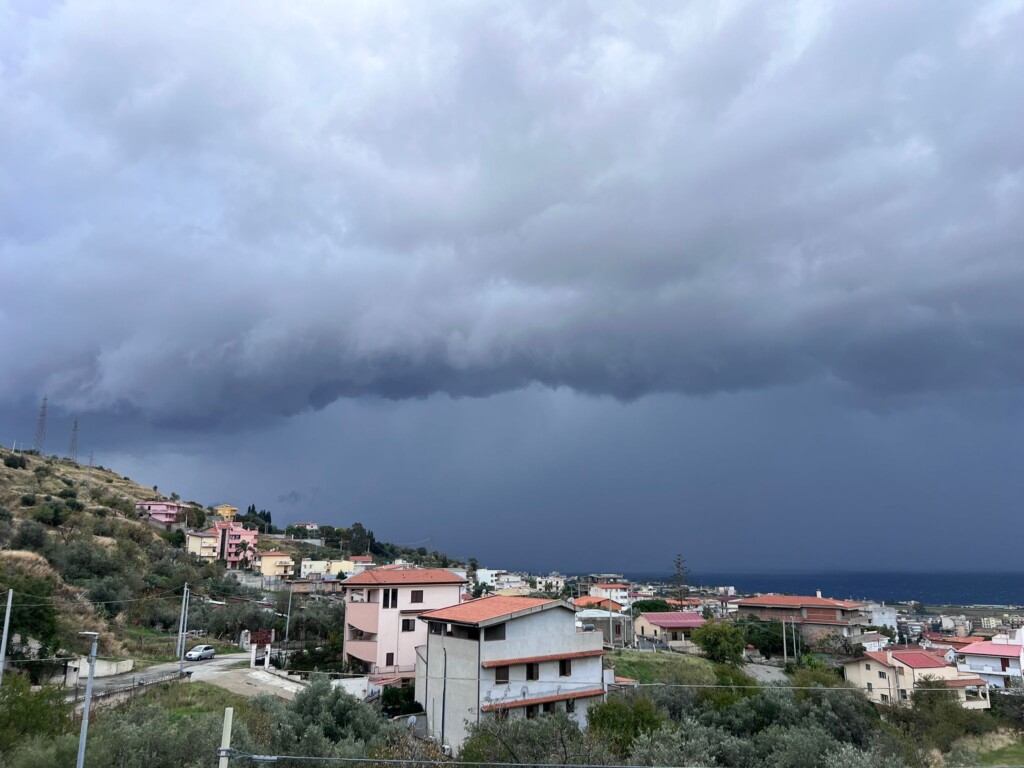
x,y
997,661
275,564
505,657
226,512
873,641
499,579
880,615
889,677
553,582
604,603
616,628
817,617
672,627
381,606
307,526
162,513
361,563
202,545
233,543
325,568
611,590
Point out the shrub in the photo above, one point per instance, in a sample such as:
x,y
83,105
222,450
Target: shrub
x,y
31,535
24,712
619,721
14,461
28,500
68,493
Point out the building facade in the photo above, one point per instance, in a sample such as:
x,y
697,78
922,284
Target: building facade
x,y
275,564
162,513
890,677
381,607
505,657
673,628
998,661
233,544
318,569
816,617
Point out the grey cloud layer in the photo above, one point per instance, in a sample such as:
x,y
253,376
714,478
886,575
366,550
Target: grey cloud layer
x,y
253,208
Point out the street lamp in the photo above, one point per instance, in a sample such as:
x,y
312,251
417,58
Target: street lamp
x,y
88,699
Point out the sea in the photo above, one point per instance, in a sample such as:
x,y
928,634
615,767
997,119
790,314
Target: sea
x,y
936,588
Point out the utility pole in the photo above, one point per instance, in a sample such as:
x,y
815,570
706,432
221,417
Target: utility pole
x,y
88,699
7,626
288,617
225,738
41,428
181,622
184,633
785,643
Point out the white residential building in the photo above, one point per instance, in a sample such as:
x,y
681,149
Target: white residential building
x,y
553,582
998,661
890,677
326,568
613,590
880,615
381,606
499,579
508,656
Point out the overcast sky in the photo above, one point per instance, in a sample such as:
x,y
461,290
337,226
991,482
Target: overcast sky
x,y
559,285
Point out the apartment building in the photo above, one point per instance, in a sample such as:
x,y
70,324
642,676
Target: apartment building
x,y
505,657
816,617
889,677
998,661
381,607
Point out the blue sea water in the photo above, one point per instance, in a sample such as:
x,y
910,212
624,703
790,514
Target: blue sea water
x,y
939,588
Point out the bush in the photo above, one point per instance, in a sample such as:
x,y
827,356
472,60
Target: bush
x,y
28,500
68,493
721,641
619,721
24,712
31,535
15,461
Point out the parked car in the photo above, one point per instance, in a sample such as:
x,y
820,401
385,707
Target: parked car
x,y
200,652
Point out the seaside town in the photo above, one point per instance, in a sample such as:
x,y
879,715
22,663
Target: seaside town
x,y
450,648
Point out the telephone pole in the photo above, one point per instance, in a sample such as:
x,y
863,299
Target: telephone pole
x,y
41,428
73,448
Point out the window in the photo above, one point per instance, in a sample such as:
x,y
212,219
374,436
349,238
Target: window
x,y
565,667
870,688
882,675
390,598
570,706
867,667
533,671
549,707
899,671
500,675
389,660
416,596
436,628
408,625
885,699
497,632
531,711
903,694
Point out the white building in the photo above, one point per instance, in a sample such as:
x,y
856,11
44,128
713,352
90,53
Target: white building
x,y
553,582
499,579
997,661
320,568
514,656
613,590
880,615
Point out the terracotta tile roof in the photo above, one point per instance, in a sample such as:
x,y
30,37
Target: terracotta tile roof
x,y
674,619
611,585
361,558
626,681
989,648
797,601
919,659
586,601
964,682
512,704
538,659
488,608
390,576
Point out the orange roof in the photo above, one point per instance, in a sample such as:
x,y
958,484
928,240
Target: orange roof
x,y
588,600
393,576
488,608
538,659
797,601
612,585
542,700
361,558
912,659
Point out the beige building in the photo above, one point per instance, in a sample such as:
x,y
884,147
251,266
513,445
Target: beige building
x,y
226,512
889,677
202,545
311,569
273,564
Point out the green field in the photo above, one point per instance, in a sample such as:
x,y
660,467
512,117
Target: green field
x,y
184,699
660,667
1011,755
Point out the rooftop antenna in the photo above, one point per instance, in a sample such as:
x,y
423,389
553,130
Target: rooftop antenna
x,y
73,449
41,428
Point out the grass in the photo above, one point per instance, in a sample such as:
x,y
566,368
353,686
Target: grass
x,y
186,699
1009,755
660,667
149,646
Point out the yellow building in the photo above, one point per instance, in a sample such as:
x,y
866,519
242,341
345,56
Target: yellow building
x,y
890,677
202,545
226,512
315,568
275,564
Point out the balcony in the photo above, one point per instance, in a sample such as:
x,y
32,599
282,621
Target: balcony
x,y
365,650
363,616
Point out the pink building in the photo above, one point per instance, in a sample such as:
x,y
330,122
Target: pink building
x,y
381,606
164,513
230,536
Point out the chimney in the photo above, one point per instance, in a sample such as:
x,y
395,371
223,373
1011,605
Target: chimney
x,y
818,593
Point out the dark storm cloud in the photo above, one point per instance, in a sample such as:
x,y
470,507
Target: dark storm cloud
x,y
233,211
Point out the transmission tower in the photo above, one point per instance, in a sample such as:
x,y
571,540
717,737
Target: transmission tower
x,y
90,458
73,449
41,428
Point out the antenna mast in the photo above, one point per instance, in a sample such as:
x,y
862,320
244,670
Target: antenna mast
x,y
41,428
73,449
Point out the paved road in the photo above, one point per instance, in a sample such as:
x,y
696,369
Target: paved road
x,y
218,663
766,673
